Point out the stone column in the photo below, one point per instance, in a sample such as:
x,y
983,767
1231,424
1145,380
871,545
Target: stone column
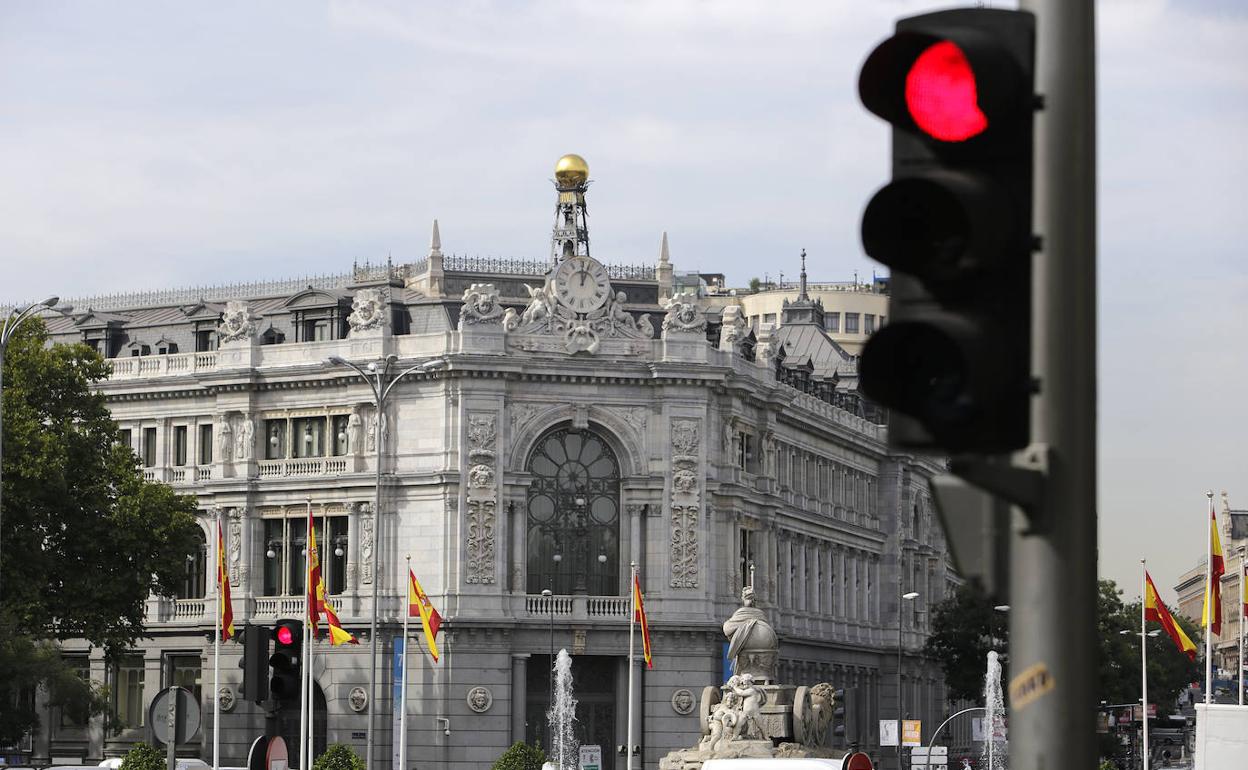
x,y
803,584
518,510
519,694
636,550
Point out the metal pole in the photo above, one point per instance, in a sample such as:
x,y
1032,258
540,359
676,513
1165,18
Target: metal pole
x,y
1053,553
403,687
1143,662
1243,610
379,401
900,602
632,622
927,763
216,657
1210,610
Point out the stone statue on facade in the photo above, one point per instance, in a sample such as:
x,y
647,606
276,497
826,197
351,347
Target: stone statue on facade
x,y
752,644
480,305
246,438
237,323
225,439
733,329
353,432
368,311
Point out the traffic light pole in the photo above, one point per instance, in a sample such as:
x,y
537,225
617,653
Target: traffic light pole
x,y
1053,546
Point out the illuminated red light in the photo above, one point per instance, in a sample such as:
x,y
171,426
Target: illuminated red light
x,y
941,94
284,636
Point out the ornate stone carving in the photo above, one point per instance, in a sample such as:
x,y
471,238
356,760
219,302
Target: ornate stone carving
x,y
578,332
734,328
480,699
237,323
683,701
225,697
245,442
357,699
686,503
225,438
480,305
367,543
482,498
235,547
353,432
368,311
683,314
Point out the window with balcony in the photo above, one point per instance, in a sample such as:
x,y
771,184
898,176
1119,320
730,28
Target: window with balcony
x,y
205,444
275,439
149,447
179,445
746,556
125,439
195,584
341,438
309,437
284,555
205,340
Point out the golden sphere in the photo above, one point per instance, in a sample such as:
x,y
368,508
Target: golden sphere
x,y
571,171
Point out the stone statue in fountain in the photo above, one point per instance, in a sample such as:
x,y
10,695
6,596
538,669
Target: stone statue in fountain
x,y
752,714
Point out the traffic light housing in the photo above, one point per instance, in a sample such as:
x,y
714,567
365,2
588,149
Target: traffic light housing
x,y
255,663
954,225
286,661
838,718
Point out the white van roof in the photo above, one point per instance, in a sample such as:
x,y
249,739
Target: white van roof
x,y
772,764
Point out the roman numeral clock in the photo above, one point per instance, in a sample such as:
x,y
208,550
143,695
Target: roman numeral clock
x,y
581,284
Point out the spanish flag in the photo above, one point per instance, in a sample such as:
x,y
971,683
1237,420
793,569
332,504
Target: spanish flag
x,y
418,604
1155,609
1217,568
225,609
639,616
1243,585
318,602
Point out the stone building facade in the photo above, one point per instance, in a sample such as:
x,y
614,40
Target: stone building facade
x,y
584,416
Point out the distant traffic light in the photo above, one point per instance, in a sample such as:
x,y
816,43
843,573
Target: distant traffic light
x,y
286,660
255,663
838,718
954,224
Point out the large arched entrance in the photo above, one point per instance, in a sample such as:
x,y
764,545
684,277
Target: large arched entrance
x,y
573,514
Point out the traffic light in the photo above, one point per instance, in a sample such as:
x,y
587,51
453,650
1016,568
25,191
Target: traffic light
x,y
838,718
255,663
286,678
954,225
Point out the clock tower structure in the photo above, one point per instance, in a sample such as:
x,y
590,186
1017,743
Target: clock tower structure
x,y
570,237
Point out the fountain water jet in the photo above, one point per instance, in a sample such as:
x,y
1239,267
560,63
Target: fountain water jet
x,y
563,751
994,721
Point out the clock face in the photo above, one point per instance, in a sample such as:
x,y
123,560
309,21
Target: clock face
x,y
581,284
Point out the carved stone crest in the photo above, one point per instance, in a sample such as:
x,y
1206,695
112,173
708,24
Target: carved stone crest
x,y
480,305
683,314
225,697
237,322
368,311
480,699
357,699
683,701
686,503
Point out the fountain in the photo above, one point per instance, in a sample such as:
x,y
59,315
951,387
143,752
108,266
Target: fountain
x,y
752,715
563,752
994,721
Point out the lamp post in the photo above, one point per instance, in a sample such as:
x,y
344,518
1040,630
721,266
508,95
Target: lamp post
x,y
1002,608
11,322
901,712
377,375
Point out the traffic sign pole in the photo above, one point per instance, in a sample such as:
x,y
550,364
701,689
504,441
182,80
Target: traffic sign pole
x,y
1053,547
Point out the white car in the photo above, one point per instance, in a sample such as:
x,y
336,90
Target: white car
x,y
772,764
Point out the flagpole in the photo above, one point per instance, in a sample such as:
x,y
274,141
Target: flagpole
x,y
307,622
216,660
1209,609
632,624
407,612
1144,658
311,640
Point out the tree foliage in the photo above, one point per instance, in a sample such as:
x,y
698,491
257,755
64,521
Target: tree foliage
x,y
144,756
521,756
338,757
85,539
965,627
755,285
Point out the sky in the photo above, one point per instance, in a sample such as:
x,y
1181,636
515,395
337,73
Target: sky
x,y
150,145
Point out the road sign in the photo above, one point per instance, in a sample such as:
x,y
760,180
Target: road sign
x,y
185,719
591,757
888,732
857,761
277,757
911,732
939,757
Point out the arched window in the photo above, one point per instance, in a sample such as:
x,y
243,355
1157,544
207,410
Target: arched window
x,y
573,515
195,584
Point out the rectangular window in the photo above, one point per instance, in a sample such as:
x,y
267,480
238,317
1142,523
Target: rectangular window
x,y
205,340
341,437
769,318
285,539
832,322
182,670
179,445
745,450
309,437
851,323
205,444
124,438
275,439
868,323
80,665
128,693
747,556
149,447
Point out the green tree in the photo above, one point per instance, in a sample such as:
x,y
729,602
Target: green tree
x,y
754,285
338,757
143,756
520,756
86,539
964,628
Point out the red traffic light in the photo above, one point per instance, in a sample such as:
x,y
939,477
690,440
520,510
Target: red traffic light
x,y
941,94
284,635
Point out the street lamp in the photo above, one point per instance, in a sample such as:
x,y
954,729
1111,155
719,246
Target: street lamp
x,y
909,596
377,375
7,329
